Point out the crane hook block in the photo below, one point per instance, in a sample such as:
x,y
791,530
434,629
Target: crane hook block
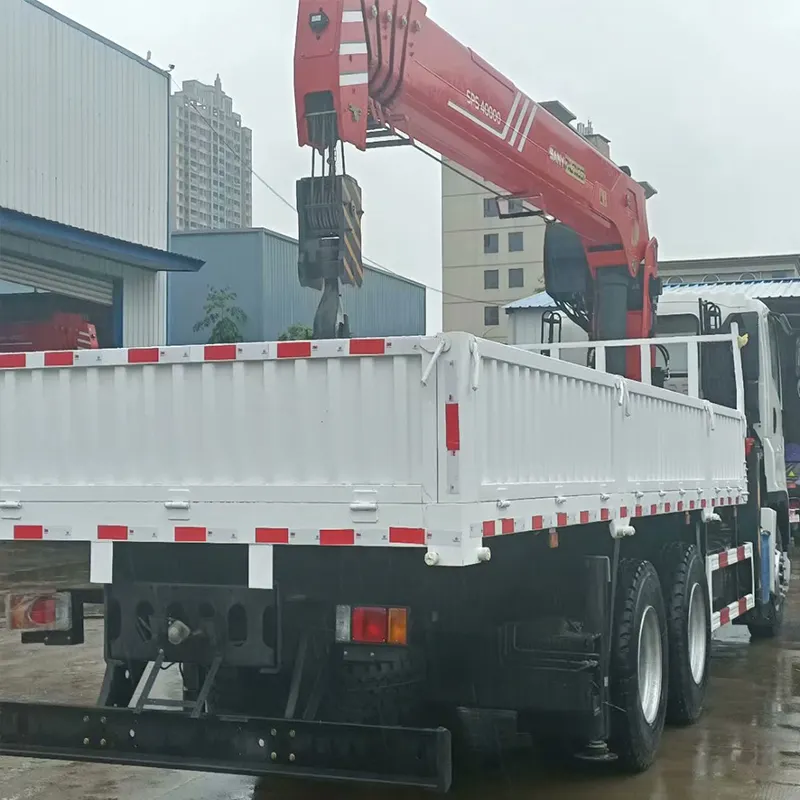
x,y
329,230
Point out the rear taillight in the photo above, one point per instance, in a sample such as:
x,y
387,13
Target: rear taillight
x,y
398,626
31,612
749,444
372,625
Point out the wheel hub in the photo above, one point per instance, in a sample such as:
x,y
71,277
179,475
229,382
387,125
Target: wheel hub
x,y
696,629
650,665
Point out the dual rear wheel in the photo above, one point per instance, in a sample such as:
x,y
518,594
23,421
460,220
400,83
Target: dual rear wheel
x,y
660,651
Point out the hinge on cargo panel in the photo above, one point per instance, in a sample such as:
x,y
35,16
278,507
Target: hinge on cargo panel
x,y
10,504
364,507
178,504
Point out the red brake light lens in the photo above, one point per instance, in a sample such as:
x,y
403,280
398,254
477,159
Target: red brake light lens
x,y
370,625
27,612
43,611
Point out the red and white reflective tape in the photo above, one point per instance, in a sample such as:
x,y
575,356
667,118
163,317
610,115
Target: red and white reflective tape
x,y
213,353
325,537
564,519
728,557
736,609
353,59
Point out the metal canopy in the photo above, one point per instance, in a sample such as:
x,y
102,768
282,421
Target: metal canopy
x,y
757,290
24,226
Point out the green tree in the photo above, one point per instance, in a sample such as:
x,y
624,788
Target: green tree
x,y
295,332
222,317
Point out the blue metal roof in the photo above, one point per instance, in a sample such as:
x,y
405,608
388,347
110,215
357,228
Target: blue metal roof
x,y
758,290
134,255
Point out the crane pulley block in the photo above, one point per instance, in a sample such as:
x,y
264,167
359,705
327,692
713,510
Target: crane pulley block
x,y
329,214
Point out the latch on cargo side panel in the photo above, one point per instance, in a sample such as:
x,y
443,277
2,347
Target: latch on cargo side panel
x,y
178,504
10,504
442,346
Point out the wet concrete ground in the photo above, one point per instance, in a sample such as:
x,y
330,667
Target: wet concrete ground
x,y
747,746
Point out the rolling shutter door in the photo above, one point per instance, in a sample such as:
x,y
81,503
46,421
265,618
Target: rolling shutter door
x,y
94,289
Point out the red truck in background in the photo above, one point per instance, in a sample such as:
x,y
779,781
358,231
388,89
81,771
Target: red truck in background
x,y
63,331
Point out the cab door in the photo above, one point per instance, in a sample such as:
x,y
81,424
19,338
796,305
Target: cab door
x,y
772,423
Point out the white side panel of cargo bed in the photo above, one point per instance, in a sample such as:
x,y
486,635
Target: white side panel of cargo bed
x,y
266,431
543,429
671,441
537,427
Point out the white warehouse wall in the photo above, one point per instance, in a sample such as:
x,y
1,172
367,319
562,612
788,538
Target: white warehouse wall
x,y
84,141
144,310
84,129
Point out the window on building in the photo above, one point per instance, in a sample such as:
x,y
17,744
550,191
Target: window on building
x,y
491,243
516,278
516,242
515,206
711,279
748,276
490,207
491,279
491,316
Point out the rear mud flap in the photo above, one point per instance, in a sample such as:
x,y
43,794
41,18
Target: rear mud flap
x,y
240,745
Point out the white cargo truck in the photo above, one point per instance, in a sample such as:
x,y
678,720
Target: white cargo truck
x,y
768,314
364,555
355,549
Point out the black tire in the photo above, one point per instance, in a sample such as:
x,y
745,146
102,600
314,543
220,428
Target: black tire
x,y
685,587
378,693
634,738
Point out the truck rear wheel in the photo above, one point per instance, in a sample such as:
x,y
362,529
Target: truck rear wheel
x,y
378,693
639,666
686,599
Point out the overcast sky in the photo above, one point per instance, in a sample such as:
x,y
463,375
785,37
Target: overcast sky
x,y
699,97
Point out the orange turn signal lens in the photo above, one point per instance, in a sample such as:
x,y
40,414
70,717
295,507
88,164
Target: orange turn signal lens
x,y
398,626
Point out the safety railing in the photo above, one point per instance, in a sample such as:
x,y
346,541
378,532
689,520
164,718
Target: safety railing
x,y
691,343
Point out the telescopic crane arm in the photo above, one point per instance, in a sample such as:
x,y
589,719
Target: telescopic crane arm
x,y
366,69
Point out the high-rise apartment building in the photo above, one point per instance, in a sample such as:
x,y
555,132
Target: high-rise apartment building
x,y
213,160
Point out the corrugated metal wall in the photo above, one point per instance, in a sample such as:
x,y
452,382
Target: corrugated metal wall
x,y
232,260
144,316
84,130
261,267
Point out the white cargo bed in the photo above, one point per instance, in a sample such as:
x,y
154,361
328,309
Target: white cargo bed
x,y
437,442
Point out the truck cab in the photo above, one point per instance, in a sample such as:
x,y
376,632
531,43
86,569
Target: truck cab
x,y
772,404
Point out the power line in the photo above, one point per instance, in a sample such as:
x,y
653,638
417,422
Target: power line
x,y
371,262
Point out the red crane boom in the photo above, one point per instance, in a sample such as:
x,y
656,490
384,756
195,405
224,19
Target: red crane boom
x,y
367,67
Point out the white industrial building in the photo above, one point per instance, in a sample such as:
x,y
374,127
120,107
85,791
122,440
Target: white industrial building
x,y
85,176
